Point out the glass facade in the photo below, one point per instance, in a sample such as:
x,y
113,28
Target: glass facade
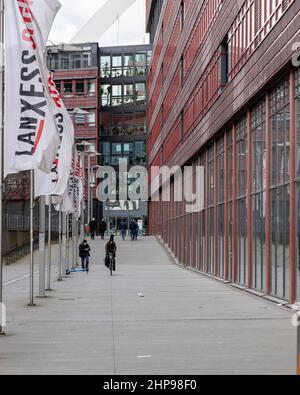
x,y
70,60
126,94
124,65
244,233
241,202
297,173
280,189
77,88
123,124
258,196
135,152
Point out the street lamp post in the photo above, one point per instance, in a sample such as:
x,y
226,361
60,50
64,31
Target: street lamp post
x,y
92,184
91,154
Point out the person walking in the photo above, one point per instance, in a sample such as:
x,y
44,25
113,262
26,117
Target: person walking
x,y
84,253
132,228
123,227
103,227
93,228
136,230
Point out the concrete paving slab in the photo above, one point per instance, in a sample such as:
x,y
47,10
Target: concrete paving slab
x,y
185,323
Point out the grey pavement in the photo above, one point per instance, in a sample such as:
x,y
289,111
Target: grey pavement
x,y
185,323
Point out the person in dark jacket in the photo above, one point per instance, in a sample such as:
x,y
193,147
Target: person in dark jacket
x,y
103,228
132,228
84,253
111,248
93,228
136,230
123,227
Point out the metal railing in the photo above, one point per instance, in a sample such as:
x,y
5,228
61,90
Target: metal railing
x,y
13,222
19,252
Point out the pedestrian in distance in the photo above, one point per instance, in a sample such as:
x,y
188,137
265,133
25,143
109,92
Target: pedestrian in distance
x,y
103,227
84,253
132,228
123,228
136,230
93,228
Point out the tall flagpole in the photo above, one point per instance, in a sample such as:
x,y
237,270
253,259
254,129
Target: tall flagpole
x,y
31,302
1,149
83,201
64,243
67,234
42,245
49,251
59,243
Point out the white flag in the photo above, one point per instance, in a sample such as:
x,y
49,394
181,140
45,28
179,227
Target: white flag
x,y
31,132
73,196
56,182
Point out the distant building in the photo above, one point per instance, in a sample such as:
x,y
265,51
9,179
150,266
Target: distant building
x,y
105,92
123,126
76,74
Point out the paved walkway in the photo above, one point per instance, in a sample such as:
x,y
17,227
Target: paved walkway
x,y
184,324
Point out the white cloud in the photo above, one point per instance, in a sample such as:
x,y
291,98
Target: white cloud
x,y
74,14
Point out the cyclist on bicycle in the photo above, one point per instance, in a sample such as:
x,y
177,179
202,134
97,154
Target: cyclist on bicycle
x,y
111,248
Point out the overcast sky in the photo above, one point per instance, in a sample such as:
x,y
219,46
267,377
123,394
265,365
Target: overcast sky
x,y
74,14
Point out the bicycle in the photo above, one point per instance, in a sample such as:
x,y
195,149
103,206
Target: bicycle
x,y
111,263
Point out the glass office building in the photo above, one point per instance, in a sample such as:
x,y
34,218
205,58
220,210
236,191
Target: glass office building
x,y
122,121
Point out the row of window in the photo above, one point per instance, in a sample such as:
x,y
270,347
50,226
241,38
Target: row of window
x,y
73,88
134,152
229,237
123,124
123,95
124,65
111,95
82,118
253,23
69,60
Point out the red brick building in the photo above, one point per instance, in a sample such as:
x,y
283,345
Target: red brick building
x,y
223,94
76,74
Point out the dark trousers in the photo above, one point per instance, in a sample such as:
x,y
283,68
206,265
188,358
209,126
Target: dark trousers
x,y
85,261
93,233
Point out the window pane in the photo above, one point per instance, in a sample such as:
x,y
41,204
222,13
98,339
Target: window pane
x,y
106,148
76,61
79,88
117,66
105,64
116,148
105,95
116,95
91,119
140,152
68,89
65,62
140,92
91,88
105,123
127,148
128,65
128,94
87,59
